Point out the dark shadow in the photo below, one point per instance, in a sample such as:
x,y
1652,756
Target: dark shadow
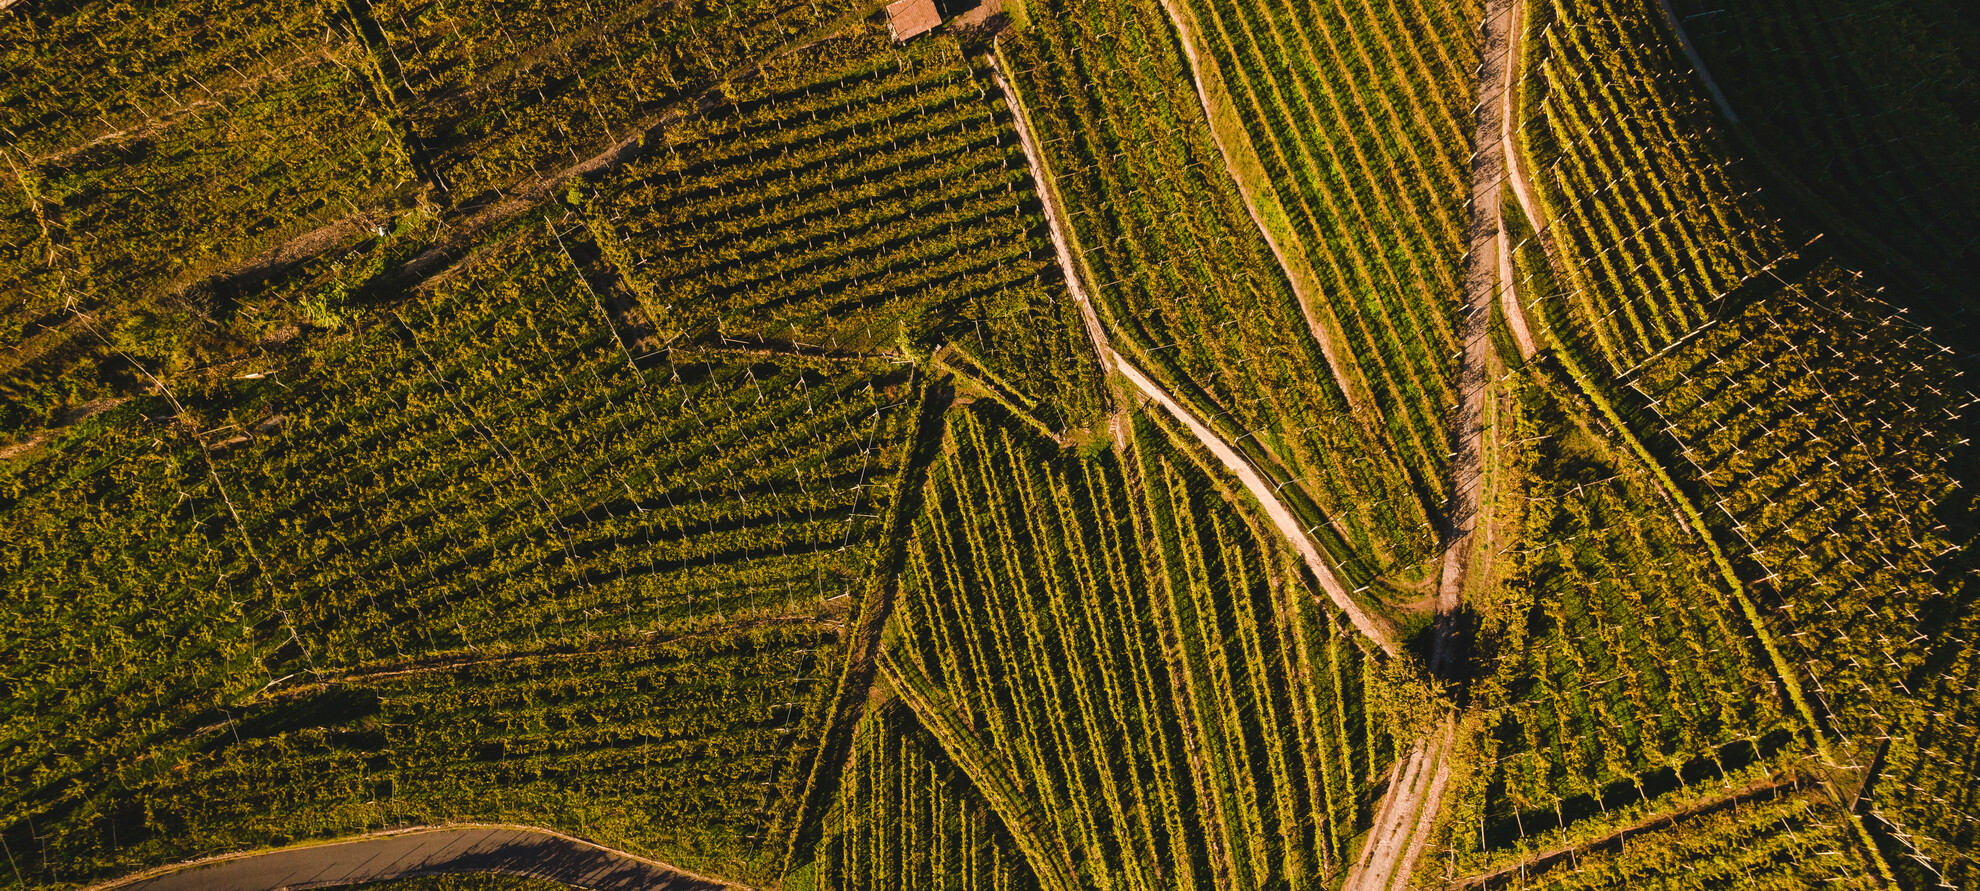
x,y
1507,828
1874,107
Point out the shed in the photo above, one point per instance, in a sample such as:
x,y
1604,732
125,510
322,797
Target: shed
x,y
909,19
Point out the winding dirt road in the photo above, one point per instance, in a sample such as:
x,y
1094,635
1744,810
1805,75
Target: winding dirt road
x,y
1281,515
483,848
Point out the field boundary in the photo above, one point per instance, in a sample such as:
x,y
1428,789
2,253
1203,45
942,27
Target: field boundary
x,y
1047,858
1261,201
820,764
1232,459
1275,509
1810,201
1409,811
1651,823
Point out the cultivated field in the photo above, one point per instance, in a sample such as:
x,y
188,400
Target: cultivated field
x,y
1102,444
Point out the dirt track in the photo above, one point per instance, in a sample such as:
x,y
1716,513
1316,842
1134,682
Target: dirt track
x,y
1408,811
508,850
1281,516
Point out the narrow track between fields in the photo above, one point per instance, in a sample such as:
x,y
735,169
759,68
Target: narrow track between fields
x,y
1220,117
1276,509
1408,811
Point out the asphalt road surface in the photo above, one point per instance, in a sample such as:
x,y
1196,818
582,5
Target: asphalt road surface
x,y
510,851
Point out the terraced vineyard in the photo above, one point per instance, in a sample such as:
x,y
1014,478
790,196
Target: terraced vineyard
x,y
1101,444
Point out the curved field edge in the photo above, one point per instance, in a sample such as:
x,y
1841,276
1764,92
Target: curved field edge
x,y
464,848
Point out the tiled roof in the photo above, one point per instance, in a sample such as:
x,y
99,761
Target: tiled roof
x,y
910,18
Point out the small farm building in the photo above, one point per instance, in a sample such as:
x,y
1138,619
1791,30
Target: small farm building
x,y
909,19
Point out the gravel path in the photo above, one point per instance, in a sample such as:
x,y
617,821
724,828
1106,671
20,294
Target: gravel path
x,y
509,850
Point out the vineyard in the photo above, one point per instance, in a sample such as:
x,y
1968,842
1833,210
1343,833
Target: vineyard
x,y
1357,114
1801,426
1868,105
850,199
260,135
769,452
1652,222
906,817
1025,645
594,73
1619,671
1187,282
1779,841
1838,504
549,738
487,469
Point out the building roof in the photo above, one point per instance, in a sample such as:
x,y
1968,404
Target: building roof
x,y
912,18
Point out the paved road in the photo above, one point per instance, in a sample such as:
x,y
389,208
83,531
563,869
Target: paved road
x,y
493,849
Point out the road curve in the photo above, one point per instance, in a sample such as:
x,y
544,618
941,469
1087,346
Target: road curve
x,y
406,853
1275,509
